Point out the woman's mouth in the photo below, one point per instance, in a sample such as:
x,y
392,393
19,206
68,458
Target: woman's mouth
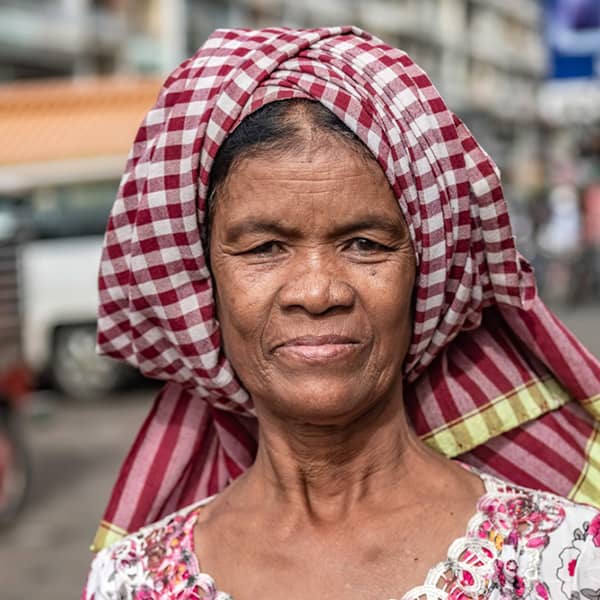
x,y
317,348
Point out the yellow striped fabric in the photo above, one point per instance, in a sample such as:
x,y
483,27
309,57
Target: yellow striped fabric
x,y
502,414
106,535
592,405
587,488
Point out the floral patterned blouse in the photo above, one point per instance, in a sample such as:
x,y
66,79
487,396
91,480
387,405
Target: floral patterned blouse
x,y
520,544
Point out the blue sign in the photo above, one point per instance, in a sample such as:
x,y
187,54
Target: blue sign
x,y
573,34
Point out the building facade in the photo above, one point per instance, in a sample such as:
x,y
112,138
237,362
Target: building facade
x,y
487,57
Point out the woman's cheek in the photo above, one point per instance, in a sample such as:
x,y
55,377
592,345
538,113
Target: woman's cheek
x,y
243,309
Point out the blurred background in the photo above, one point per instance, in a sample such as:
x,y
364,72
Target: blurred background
x,y
76,78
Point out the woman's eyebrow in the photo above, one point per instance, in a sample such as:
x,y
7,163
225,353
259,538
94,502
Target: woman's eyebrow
x,y
254,226
371,222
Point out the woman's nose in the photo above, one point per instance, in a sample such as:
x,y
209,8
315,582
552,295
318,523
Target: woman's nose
x,y
316,285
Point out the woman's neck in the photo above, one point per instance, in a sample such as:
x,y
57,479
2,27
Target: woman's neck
x,y
327,472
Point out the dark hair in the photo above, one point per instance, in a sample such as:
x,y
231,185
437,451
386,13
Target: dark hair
x,y
274,129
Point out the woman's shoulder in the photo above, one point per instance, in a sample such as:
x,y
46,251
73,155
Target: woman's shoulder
x,y
545,541
522,504
155,561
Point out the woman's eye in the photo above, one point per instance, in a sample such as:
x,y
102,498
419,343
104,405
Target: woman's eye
x,y
366,246
266,249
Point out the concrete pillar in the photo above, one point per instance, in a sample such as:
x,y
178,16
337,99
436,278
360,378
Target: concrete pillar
x,y
173,33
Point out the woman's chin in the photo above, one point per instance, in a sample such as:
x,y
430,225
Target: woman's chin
x,y
319,402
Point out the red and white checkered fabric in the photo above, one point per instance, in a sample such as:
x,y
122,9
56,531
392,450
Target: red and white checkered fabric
x,y
156,301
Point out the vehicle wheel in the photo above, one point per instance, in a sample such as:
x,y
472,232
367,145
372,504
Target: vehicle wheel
x,y
15,467
76,368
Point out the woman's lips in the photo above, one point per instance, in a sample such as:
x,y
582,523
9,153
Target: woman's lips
x,y
317,348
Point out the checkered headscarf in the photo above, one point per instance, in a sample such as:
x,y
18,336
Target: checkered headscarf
x,y
474,293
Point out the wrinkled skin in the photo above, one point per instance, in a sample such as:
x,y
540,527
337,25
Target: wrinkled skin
x,y
313,247
314,273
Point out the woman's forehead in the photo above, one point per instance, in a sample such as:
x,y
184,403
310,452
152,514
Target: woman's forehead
x,y
320,157
308,190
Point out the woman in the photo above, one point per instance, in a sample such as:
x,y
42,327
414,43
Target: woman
x,y
357,244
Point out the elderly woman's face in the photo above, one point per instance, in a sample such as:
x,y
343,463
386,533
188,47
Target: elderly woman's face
x,y
314,272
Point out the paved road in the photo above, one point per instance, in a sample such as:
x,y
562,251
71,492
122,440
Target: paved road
x,y
76,452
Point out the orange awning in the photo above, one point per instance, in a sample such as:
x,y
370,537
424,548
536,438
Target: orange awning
x,y
64,120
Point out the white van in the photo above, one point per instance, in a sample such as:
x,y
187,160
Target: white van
x,y
58,267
